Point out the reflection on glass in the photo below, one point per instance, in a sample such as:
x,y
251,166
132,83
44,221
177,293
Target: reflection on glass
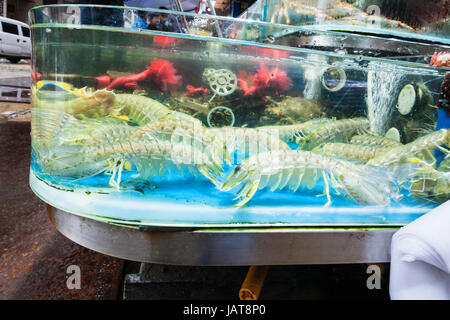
x,y
403,16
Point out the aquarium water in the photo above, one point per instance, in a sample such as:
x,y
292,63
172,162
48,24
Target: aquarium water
x,y
144,127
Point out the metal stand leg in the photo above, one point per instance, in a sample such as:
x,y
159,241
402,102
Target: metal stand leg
x,y
252,285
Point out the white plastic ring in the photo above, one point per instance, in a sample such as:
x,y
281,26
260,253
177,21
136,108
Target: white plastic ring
x,y
223,82
341,81
214,110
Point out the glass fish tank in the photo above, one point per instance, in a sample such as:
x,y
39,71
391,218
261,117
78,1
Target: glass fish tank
x,y
225,122
408,17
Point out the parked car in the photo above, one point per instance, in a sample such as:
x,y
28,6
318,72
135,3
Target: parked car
x,y
15,41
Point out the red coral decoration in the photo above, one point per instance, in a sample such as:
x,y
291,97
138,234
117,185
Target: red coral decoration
x,y
441,59
193,91
131,79
161,72
275,79
265,52
243,84
279,80
163,41
164,75
132,85
103,81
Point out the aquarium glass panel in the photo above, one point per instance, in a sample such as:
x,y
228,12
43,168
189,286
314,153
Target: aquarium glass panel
x,y
396,17
153,117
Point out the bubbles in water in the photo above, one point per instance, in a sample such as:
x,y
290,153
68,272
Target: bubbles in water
x,y
383,85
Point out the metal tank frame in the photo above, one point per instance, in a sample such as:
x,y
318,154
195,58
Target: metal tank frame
x,y
227,247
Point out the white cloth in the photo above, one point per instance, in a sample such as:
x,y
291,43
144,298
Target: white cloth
x,y
420,258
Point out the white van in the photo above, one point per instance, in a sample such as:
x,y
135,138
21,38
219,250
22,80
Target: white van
x,y
15,40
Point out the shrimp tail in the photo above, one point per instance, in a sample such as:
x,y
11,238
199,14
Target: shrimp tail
x,y
237,176
248,189
366,186
212,171
69,160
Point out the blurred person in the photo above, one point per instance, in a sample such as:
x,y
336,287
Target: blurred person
x,y
141,21
102,16
165,25
155,22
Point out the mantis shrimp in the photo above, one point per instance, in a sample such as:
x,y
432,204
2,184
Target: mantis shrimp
x,y
293,168
290,133
220,142
143,110
248,141
184,132
86,105
57,127
150,156
352,151
429,183
333,131
397,159
372,140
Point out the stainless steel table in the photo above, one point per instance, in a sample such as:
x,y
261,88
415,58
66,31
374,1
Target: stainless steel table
x,y
228,247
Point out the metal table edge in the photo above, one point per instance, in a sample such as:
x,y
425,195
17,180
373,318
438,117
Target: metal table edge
x,y
228,246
